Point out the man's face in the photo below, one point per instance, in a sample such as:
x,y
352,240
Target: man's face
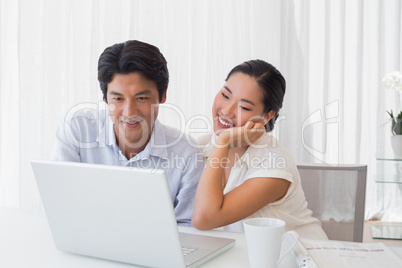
x,y
133,104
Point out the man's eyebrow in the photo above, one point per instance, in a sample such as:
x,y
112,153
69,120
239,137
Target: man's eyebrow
x,y
112,92
144,92
245,100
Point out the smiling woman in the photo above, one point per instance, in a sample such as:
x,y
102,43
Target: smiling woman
x,y
236,183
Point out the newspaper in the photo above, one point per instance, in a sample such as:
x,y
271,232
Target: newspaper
x,y
328,254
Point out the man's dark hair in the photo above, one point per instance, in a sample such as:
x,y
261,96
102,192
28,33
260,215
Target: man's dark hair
x,y
271,82
129,57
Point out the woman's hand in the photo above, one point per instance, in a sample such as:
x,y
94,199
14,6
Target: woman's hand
x,y
241,136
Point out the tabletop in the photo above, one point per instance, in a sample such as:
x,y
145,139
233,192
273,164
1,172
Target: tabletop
x,y
26,241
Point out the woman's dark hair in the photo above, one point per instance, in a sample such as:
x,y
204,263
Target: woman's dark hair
x,y
271,82
133,56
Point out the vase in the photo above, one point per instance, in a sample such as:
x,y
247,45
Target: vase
x,y
396,143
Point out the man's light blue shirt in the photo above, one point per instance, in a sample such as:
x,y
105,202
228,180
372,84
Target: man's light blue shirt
x,y
88,137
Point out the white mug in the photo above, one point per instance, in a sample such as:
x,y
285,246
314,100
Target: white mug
x,y
264,239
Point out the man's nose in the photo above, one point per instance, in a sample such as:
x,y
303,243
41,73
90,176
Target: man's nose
x,y
129,108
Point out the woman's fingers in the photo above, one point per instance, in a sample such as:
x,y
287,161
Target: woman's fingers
x,y
242,136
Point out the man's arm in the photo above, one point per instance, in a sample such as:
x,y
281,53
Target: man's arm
x,y
184,201
64,148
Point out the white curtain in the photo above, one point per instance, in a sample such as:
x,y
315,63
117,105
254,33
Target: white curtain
x,y
333,55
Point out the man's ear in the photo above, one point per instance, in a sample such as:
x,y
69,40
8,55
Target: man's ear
x,y
163,97
105,97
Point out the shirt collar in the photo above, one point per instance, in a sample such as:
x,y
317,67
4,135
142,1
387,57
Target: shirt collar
x,y
157,145
106,131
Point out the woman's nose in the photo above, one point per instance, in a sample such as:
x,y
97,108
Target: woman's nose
x,y
229,110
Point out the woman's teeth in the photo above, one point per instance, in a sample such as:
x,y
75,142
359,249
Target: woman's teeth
x,y
223,122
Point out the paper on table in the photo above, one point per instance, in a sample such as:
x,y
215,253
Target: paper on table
x,y
348,254
298,257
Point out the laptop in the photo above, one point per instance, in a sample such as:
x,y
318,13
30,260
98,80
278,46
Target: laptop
x,y
118,213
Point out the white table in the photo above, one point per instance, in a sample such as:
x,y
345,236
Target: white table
x,y
26,241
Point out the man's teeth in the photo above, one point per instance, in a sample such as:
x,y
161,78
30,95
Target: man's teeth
x,y
132,123
226,124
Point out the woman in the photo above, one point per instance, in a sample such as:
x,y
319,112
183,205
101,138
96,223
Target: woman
x,y
248,173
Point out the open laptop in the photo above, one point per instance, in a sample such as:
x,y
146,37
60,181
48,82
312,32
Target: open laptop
x,y
118,213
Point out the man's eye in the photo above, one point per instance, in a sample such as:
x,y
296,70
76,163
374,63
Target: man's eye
x,y
142,98
117,99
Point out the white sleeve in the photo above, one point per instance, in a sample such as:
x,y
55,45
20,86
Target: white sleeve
x,y
269,173
275,163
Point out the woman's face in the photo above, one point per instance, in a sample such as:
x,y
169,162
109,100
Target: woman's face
x,y
239,101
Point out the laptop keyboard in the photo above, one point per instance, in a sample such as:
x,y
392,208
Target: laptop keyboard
x,y
187,251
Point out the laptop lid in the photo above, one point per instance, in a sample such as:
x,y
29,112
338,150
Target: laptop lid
x,y
116,213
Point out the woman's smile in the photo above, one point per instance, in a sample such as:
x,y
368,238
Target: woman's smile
x,y
224,123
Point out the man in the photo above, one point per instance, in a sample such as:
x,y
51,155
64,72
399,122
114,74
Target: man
x,y
133,77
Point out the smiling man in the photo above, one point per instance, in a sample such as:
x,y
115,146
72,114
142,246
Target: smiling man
x,y
134,101
133,77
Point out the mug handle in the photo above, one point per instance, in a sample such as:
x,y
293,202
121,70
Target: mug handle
x,y
288,236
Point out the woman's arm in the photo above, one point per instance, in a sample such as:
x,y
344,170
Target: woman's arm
x,y
213,209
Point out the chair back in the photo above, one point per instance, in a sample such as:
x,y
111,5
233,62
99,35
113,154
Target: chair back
x,y
336,195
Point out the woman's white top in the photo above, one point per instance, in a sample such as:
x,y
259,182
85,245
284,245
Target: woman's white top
x,y
267,158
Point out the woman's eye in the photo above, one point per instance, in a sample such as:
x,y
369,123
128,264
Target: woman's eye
x,y
244,108
225,96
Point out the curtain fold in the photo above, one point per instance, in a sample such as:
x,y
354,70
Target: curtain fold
x,y
333,55
10,115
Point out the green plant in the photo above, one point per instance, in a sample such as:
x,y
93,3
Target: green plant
x,y
396,123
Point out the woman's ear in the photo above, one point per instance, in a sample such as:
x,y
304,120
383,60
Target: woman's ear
x,y
268,116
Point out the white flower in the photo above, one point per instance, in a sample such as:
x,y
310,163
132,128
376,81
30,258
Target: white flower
x,y
393,81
